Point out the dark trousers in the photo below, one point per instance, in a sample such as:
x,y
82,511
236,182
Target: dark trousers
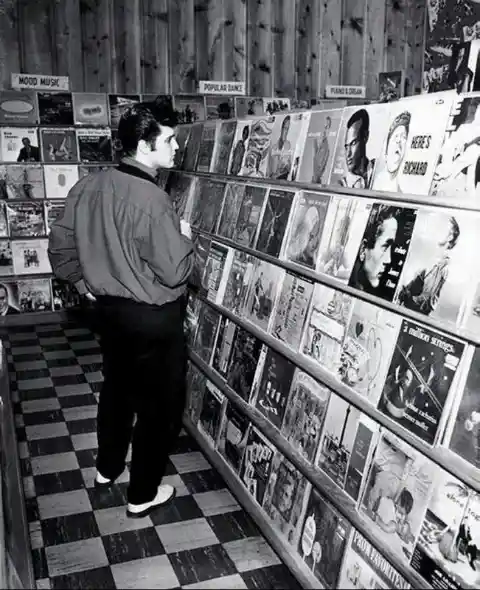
x,y
144,368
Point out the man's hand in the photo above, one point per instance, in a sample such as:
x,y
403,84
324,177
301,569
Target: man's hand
x,y
90,297
185,229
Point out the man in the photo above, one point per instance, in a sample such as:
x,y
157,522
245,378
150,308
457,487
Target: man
x,y
29,152
121,243
5,307
239,152
281,154
321,154
359,167
395,150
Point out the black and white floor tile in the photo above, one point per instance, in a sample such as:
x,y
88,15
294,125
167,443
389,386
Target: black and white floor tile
x,y
80,536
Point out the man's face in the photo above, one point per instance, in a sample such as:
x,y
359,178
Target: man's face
x,y
378,257
166,147
286,497
446,236
396,149
26,142
3,299
354,146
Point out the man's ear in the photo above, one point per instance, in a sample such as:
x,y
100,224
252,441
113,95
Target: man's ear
x,y
143,147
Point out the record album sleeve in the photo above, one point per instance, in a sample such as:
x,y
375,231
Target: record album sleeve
x,y
59,144
192,148
220,107
234,195
207,145
239,147
30,257
190,107
249,106
9,304
90,108
256,464
283,145
64,295
19,144
19,107
21,182
6,259
95,144
257,148
359,145
207,204
264,287
232,438
206,333
274,224
118,104
305,414
26,219
55,108
211,413
4,230
419,380
157,101
34,295
391,85
182,136
249,215
179,187
217,259
223,146
196,384
201,247
53,210
275,105
59,179
237,283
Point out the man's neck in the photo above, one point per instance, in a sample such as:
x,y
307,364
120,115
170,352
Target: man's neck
x,y
133,161
362,168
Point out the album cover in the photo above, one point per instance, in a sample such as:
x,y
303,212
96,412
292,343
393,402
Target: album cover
x,y
248,219
283,145
59,145
19,144
359,145
211,413
118,104
446,554
292,308
196,384
192,316
414,134
324,534
18,106
257,152
26,219
190,107
201,248
275,105
305,414
236,356
238,281
365,567
326,326
265,284
239,146
156,102
59,180
64,295
6,258
30,257
220,107
192,148
53,211
391,85
388,231
306,230
182,136
457,162
9,298
234,195
215,270
327,104
207,204
55,108
439,273
95,144
274,379
90,108
34,295
256,464
207,144
346,446
223,147
299,104
368,348
274,223
396,496
205,336
21,182
463,430
318,154
249,106
284,497
419,380
179,187
3,221
232,439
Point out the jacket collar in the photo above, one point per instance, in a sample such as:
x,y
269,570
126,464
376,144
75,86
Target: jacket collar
x,y
133,168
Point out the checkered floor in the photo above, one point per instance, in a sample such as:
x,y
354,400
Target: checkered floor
x,y
80,536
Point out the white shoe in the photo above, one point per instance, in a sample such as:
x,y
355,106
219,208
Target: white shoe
x,y
165,493
101,481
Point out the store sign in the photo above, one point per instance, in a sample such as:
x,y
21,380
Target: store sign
x,y
345,92
40,82
215,87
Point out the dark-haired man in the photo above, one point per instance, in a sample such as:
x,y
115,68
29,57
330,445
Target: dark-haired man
x,y
359,167
121,241
29,152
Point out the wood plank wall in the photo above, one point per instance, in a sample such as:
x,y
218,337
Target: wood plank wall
x,y
279,47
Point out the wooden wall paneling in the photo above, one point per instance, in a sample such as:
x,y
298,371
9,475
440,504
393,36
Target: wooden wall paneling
x,y
98,45
155,56
127,52
68,41
283,36
217,33
182,46
415,45
259,47
36,38
238,13
395,35
374,45
9,42
353,42
202,38
331,39
308,48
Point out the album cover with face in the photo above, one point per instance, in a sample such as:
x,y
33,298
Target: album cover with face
x,y
9,298
55,108
275,221
118,104
265,284
283,145
19,107
239,147
249,215
19,144
34,295
257,151
21,182
90,108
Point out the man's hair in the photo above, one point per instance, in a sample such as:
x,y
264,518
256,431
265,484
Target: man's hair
x,y
286,120
403,119
3,287
455,233
361,116
142,122
245,132
377,218
25,139
405,500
